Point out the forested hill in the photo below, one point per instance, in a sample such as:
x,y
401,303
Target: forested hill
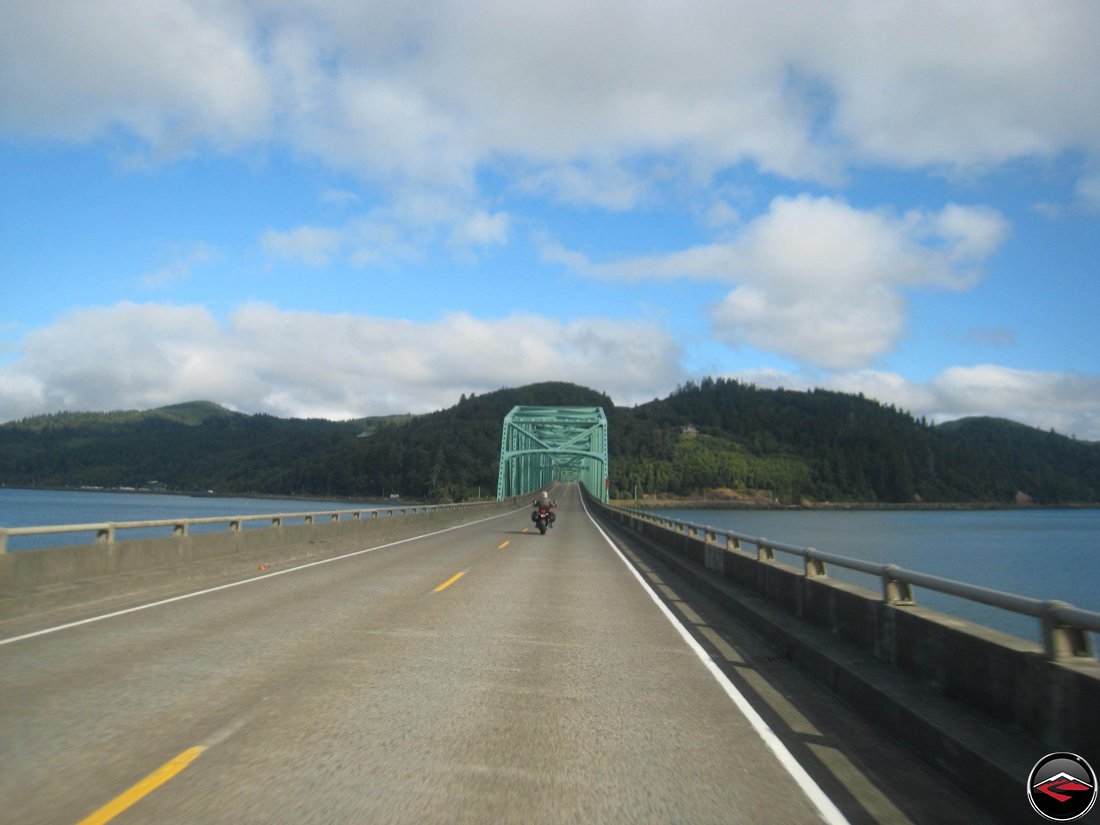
x,y
721,437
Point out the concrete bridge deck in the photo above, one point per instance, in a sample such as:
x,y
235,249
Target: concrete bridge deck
x,y
480,673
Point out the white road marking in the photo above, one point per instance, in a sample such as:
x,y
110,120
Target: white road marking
x,y
825,807
265,577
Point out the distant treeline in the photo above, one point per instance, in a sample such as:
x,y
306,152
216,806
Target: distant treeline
x,y
718,435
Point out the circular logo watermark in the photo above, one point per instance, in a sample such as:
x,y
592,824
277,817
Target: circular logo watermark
x,y
1062,787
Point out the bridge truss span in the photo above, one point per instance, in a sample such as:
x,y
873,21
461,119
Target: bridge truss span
x,y
542,445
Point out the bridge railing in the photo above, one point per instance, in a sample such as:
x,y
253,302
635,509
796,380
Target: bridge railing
x,y
108,531
1064,628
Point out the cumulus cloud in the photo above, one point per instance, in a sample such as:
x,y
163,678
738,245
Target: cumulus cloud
x,y
1022,395
447,118
265,359
327,365
431,95
961,84
822,281
170,72
819,280
1067,402
481,229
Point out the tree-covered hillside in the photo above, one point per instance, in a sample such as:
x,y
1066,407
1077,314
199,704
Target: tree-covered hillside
x,y
769,444
830,446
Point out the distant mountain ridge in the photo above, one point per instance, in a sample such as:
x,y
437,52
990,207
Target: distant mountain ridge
x,y
725,437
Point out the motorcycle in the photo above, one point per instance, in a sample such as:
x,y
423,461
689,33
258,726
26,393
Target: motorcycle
x,y
542,518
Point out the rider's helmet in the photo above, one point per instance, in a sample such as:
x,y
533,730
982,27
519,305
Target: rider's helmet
x,y
545,494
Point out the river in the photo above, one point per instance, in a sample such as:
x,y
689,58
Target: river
x,y
1042,553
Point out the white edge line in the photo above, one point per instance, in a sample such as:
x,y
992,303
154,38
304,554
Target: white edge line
x,y
829,812
266,576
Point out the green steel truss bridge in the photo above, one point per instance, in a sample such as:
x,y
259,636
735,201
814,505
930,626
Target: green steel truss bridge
x,y
541,445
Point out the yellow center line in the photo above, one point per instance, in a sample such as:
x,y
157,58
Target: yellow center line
x,y
450,581
503,544
143,788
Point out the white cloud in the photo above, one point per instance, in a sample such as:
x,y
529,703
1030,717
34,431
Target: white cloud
x,y
138,356
608,186
819,280
312,364
1022,395
822,281
1067,402
481,229
568,92
830,328
961,84
170,72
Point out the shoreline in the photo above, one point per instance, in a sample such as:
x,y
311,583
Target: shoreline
x,y
146,491
726,504
647,502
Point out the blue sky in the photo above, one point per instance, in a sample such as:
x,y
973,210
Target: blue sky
x,y
341,209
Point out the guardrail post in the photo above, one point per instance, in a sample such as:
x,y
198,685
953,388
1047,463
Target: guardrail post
x,y
814,566
179,528
1062,641
105,535
732,542
895,591
234,525
3,540
763,551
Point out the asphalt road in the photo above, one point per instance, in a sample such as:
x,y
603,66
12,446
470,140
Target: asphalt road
x,y
484,674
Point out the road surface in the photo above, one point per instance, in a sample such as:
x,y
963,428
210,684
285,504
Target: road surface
x,y
483,674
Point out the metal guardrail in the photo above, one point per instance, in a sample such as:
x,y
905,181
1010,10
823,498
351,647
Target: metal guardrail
x,y
1064,628
107,531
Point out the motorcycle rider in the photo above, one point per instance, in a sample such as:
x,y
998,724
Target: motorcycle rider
x,y
544,502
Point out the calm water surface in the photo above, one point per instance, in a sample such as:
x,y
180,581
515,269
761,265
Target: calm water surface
x,y
1045,554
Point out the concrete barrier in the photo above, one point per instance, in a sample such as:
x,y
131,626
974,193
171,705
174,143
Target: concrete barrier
x,y
62,576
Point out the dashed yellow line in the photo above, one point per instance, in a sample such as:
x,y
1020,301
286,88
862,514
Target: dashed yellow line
x,y
450,581
503,544
143,788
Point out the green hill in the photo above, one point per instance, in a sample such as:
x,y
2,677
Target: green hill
x,y
768,445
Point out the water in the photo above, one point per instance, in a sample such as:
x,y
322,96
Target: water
x,y
37,508
1044,554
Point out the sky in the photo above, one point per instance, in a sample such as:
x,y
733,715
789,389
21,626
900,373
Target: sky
x,y
346,208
